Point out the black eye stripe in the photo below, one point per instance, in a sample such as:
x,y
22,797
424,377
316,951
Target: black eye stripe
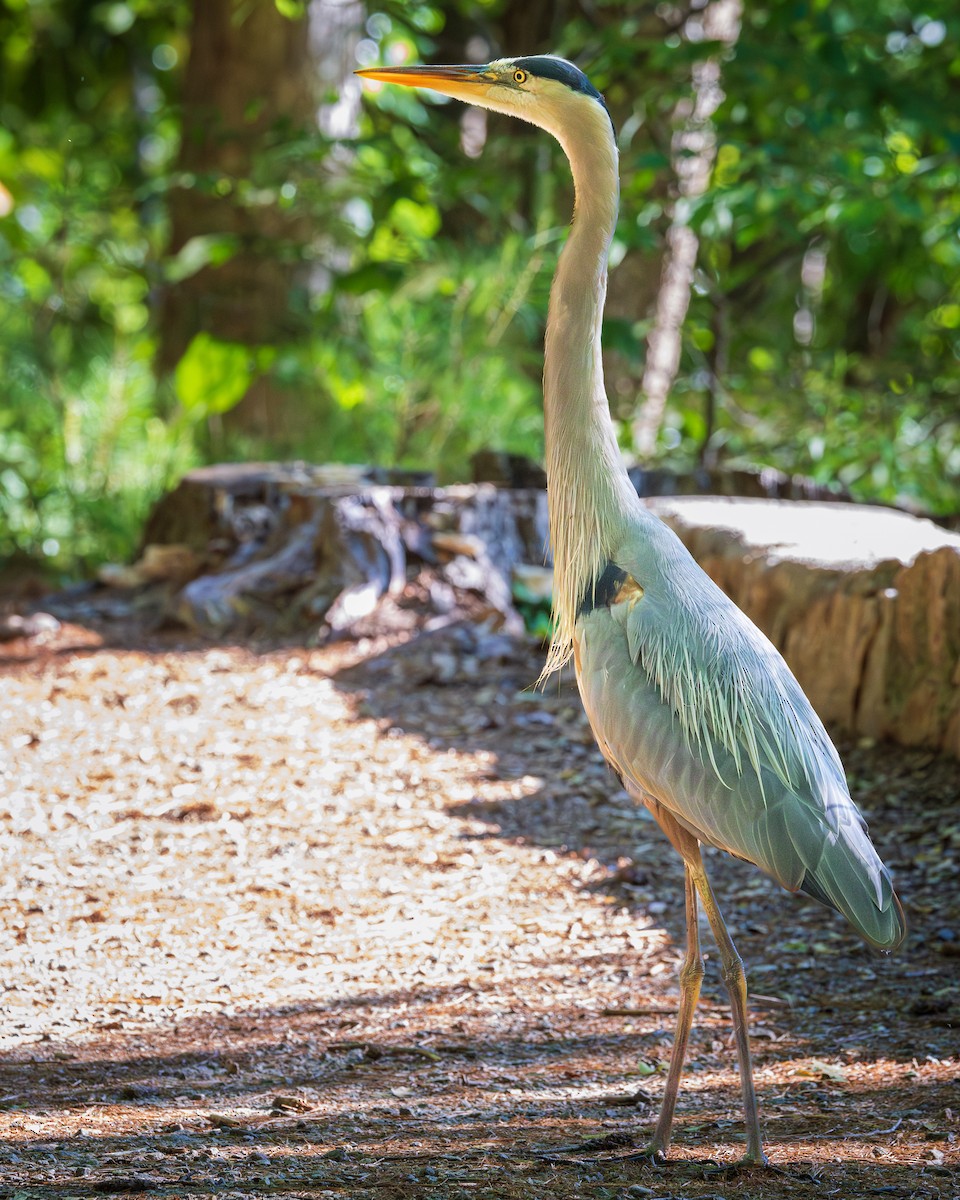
x,y
546,67
560,70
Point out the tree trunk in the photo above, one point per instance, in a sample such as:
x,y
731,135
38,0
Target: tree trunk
x,y
248,87
694,151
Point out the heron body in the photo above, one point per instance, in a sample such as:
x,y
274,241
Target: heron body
x,y
692,706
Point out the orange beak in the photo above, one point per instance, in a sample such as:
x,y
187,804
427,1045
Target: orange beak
x,y
451,81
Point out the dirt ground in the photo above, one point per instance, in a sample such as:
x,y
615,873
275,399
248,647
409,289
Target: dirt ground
x,y
373,920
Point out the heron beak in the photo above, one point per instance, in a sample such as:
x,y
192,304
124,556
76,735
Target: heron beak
x,y
462,83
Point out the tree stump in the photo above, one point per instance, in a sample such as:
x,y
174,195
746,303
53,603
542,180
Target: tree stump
x,y
863,603
278,547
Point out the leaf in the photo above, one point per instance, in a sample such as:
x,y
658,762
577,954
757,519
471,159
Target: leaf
x,y
213,376
199,252
817,1069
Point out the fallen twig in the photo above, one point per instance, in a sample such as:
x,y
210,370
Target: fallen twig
x,y
834,1129
875,1132
376,1051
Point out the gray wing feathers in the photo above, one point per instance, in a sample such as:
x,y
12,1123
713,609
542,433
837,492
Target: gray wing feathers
x,y
744,764
725,680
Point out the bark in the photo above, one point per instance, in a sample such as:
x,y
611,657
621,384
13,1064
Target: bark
x,y
694,151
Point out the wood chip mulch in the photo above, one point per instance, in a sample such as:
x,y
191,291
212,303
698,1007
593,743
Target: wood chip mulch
x,y
373,920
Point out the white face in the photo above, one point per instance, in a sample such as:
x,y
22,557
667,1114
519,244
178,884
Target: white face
x,y
509,88
573,117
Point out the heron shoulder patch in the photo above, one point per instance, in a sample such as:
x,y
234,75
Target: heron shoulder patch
x,y
612,586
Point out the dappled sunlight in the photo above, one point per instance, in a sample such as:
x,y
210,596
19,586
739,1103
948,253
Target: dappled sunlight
x,y
864,536
349,1096
369,916
283,915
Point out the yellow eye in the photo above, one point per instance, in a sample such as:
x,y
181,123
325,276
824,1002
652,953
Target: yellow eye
x,y
519,76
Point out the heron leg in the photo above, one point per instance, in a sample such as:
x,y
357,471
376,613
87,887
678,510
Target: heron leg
x,y
691,975
731,966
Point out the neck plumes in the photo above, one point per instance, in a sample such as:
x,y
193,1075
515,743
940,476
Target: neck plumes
x,y
589,493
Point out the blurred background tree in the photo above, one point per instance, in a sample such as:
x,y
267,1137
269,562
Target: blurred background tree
x,y
211,247
240,289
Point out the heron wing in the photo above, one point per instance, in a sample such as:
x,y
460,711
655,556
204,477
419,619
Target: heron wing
x,y
709,721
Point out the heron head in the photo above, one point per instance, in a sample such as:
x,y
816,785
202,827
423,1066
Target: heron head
x,y
543,89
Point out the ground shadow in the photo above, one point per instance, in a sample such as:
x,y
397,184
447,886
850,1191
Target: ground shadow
x,y
270,1102
440,1091
578,807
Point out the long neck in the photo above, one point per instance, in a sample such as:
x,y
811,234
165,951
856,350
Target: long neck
x,y
589,492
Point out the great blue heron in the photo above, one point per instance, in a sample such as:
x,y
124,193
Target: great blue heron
x,y
692,706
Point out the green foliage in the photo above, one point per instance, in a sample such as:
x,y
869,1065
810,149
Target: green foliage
x,y
830,249
837,155
213,376
824,330
84,446
82,449
414,358
536,611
